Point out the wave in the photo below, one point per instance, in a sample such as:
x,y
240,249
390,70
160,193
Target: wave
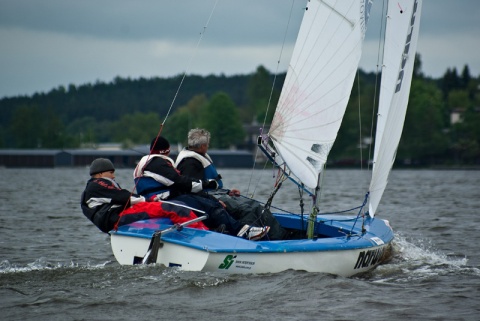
x,y
418,259
43,264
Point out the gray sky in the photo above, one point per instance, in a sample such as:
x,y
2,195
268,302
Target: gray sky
x,y
48,43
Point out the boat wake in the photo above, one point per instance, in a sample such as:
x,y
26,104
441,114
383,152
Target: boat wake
x,y
42,264
419,260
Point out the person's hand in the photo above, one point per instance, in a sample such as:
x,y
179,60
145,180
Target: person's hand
x,y
136,199
211,184
234,192
161,197
223,204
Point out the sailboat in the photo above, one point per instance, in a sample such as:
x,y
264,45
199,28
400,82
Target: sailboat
x,y
305,125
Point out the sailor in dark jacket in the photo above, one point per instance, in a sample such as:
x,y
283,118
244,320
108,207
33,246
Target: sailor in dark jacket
x,y
195,162
157,179
108,206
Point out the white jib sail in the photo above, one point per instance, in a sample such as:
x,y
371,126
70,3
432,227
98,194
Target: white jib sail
x,y
401,35
318,84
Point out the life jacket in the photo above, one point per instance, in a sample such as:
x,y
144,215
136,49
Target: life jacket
x,y
148,186
96,202
209,170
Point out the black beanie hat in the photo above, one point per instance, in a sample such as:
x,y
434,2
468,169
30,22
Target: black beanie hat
x,y
101,165
159,146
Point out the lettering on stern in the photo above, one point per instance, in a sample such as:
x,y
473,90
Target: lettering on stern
x,y
369,258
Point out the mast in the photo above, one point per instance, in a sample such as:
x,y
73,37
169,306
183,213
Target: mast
x,y
312,219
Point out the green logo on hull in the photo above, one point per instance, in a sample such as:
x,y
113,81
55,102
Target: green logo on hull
x,y
227,262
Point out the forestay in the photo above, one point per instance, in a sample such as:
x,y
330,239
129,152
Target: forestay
x,y
401,35
318,84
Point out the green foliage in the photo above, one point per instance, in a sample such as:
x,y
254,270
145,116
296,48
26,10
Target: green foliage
x,y
220,117
53,131
422,136
25,127
259,91
458,98
137,128
184,119
128,111
177,127
357,121
84,130
32,128
466,137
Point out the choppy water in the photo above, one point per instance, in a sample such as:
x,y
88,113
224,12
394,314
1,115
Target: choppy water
x,y
55,265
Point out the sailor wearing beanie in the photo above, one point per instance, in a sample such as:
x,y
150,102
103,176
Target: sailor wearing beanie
x,y
108,206
101,165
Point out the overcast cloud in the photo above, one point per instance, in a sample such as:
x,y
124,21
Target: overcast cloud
x,y
48,43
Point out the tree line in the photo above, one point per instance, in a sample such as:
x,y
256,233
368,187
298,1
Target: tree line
x,y
442,123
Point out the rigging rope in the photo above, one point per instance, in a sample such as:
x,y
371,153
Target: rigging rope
x,y
190,62
270,98
359,119
280,179
178,88
359,214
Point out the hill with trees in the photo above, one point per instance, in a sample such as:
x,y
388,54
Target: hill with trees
x,y
442,123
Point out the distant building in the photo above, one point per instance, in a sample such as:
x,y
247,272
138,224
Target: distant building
x,y
456,116
50,158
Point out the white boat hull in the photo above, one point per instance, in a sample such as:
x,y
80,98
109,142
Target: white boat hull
x,y
198,250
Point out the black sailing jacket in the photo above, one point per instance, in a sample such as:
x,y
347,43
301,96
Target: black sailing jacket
x,y
102,202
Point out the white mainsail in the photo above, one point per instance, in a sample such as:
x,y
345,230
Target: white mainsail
x,y
318,84
401,35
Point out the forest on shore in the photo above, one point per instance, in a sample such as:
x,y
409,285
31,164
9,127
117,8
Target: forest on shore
x,y
442,124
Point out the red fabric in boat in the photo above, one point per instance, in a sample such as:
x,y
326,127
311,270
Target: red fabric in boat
x,y
147,210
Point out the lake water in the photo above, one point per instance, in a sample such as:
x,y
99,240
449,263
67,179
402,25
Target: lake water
x,y
55,265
